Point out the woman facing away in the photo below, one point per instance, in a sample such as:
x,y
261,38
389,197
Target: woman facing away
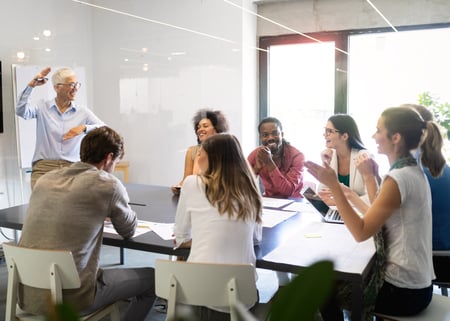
x,y
402,209
206,123
219,211
343,148
440,208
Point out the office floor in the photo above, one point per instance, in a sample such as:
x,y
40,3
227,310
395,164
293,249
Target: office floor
x,y
267,281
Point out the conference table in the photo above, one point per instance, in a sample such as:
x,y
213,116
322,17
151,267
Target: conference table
x,y
289,246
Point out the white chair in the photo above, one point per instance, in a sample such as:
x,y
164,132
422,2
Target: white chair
x,y
205,284
47,269
444,285
438,310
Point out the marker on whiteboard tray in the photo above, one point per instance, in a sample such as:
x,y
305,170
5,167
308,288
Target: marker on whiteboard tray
x,y
41,79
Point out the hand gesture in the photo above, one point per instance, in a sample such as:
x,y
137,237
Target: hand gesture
x,y
75,131
327,196
324,174
41,78
326,156
264,156
176,189
366,165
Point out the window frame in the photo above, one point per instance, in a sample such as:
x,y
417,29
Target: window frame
x,y
341,40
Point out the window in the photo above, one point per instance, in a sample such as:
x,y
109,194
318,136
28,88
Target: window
x,y
303,82
300,91
392,68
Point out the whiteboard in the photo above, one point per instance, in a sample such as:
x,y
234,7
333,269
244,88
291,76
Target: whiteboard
x,y
26,129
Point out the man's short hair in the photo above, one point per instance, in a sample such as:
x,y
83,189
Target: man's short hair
x,y
98,143
270,120
61,74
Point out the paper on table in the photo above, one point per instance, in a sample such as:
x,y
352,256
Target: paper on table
x,y
301,207
164,230
271,218
143,227
275,202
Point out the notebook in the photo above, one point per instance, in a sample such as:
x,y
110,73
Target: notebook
x,y
329,215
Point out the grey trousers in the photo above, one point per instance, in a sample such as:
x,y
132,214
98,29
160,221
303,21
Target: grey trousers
x,y
135,284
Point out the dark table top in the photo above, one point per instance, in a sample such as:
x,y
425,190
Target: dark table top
x,y
289,246
295,248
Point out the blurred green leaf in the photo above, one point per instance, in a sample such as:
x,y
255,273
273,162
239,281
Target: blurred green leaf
x,y
301,299
64,312
441,111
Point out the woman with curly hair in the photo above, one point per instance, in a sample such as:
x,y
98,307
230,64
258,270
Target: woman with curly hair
x,y
206,123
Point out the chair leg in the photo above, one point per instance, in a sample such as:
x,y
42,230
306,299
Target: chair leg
x,y
122,256
115,314
444,291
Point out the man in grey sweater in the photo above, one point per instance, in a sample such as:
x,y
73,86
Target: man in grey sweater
x,y
67,210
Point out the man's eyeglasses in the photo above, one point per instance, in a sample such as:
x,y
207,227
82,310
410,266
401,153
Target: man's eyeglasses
x,y
329,131
72,85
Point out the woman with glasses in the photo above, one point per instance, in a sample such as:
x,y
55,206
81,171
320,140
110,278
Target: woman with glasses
x,y
402,212
344,150
60,123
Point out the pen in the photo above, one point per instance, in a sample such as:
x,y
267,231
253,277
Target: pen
x,y
137,204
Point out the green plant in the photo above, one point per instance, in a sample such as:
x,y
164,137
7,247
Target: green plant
x,y
441,111
301,299
63,312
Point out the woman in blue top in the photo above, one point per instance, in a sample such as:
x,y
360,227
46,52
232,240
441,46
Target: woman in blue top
x,y
440,188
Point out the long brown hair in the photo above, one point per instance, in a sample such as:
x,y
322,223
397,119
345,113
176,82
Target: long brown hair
x,y
229,182
417,133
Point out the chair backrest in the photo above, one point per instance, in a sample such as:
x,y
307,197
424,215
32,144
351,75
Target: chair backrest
x,y
205,284
442,283
46,269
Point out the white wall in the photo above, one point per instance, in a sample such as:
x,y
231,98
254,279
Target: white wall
x,y
211,74
155,115
70,43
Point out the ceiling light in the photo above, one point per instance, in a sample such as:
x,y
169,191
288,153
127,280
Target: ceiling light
x,y
47,33
47,49
20,54
381,15
35,38
178,53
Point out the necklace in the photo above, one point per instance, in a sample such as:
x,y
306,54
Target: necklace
x,y
404,161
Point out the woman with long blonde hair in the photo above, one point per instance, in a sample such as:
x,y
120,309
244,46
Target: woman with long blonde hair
x,y
219,210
